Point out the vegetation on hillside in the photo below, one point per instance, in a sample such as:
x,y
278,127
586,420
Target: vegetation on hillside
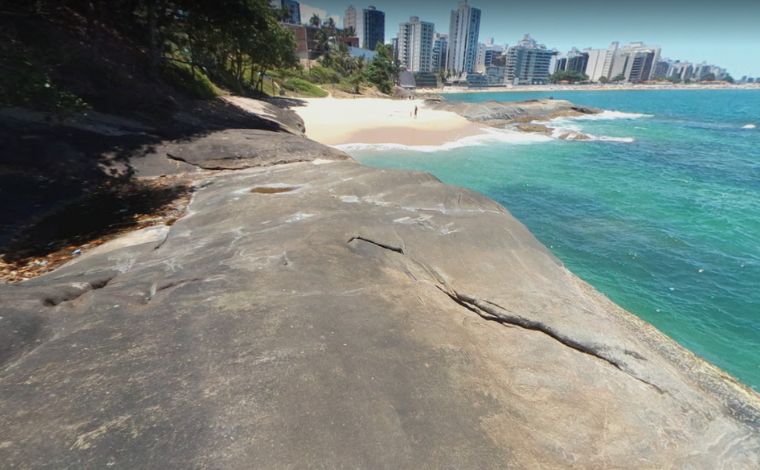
x,y
184,44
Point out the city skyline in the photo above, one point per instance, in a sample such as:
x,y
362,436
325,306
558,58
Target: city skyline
x,y
694,31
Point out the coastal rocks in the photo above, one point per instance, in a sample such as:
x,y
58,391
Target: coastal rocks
x,y
525,116
310,311
246,148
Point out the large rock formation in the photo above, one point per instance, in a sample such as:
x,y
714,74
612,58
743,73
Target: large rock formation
x,y
526,116
313,312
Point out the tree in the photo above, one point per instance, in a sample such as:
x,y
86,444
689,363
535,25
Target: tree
x,y
728,78
604,79
570,76
382,72
710,77
315,21
619,78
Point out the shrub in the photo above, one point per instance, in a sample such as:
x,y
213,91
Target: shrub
x,y
303,87
193,83
321,74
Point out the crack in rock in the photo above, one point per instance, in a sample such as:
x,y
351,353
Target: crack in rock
x,y
385,246
488,310
494,312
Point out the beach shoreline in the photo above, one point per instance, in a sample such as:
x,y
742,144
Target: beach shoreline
x,y
554,88
338,121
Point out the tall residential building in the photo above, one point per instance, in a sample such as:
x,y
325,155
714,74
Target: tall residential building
x,y
528,63
480,59
608,59
634,62
415,45
292,7
349,19
576,61
661,69
464,30
372,28
440,50
595,64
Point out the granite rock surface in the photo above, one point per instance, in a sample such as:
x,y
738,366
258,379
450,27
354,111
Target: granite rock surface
x,y
310,312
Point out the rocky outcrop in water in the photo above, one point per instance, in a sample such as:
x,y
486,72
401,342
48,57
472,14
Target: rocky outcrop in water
x,y
307,311
526,116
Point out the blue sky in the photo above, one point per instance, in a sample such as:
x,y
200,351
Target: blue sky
x,y
722,32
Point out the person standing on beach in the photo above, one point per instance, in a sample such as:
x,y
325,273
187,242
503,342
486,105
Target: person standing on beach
x,y
415,112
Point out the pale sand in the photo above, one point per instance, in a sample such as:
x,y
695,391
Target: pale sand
x,y
334,121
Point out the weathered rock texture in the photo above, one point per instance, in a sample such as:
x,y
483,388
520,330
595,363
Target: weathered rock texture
x,y
321,314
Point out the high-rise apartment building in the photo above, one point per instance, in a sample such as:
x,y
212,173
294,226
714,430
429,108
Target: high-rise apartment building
x,y
464,30
372,28
415,45
349,19
440,50
595,64
528,63
292,7
634,62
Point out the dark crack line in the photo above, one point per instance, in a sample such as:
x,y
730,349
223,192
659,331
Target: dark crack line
x,y
485,310
381,245
246,167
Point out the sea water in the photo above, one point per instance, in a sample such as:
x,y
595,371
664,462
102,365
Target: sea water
x,y
660,211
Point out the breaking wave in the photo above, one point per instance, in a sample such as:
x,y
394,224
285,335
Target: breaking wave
x,y
488,137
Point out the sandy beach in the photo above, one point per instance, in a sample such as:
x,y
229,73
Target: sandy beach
x,y
334,121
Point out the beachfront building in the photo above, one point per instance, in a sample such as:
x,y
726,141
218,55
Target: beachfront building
x,y
440,49
577,61
527,63
292,7
371,28
486,54
415,45
595,64
634,62
661,69
464,30
349,19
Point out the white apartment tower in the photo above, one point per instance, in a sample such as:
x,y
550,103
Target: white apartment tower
x,y
464,30
415,45
349,19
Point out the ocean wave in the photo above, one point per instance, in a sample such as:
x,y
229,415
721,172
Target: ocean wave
x,y
749,126
488,137
575,133
604,116
567,128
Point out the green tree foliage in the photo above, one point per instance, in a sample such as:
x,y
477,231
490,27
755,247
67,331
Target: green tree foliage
x,y
570,76
238,39
604,80
382,71
710,77
618,78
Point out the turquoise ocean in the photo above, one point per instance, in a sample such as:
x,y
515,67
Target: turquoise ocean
x,y
660,211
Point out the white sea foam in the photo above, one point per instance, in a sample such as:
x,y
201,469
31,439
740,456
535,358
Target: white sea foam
x,y
749,126
568,128
488,137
